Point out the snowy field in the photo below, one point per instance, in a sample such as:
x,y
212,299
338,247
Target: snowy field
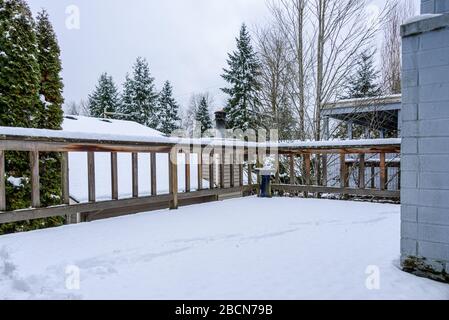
x,y
249,248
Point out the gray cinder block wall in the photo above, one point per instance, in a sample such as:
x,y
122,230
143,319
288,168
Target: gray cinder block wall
x,y
425,145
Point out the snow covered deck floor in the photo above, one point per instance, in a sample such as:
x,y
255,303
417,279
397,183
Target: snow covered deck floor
x,y
248,248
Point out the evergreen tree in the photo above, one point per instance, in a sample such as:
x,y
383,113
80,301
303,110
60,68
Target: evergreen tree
x,y
202,115
29,68
140,100
168,110
51,114
19,66
362,84
244,69
104,98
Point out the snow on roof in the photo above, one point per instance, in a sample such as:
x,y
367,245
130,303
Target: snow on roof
x,y
80,124
124,131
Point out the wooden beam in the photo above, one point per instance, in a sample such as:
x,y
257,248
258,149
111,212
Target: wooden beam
x,y
292,170
200,170
345,191
145,204
35,187
114,176
135,174
2,182
362,167
153,173
325,173
241,160
65,178
187,170
373,177
174,178
91,176
383,172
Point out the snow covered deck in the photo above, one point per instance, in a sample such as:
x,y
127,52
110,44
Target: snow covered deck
x,y
250,248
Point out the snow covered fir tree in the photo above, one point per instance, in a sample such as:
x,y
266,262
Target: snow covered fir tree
x,y
363,82
202,115
31,97
242,76
168,111
140,98
105,98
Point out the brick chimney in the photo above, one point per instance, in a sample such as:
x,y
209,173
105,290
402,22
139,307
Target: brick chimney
x,y
220,123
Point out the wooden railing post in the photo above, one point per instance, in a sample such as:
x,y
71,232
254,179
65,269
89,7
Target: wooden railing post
x,y
91,176
2,182
292,170
187,170
383,172
212,170
200,170
343,170
35,188
173,158
250,173
362,182
241,161
135,174
114,176
307,172
277,168
65,178
153,173
222,167
232,167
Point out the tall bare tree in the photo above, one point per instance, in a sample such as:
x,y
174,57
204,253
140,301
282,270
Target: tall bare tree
x,y
275,77
290,17
399,11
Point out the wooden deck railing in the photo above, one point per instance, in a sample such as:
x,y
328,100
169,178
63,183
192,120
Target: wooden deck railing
x,y
218,171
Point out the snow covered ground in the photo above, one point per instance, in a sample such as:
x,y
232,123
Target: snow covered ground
x,y
281,248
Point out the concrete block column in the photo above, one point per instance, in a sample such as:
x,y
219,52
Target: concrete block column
x,y
425,149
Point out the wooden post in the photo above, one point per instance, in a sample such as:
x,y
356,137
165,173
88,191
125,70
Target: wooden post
x,y
200,170
91,176
292,170
174,178
383,171
307,168
222,168
241,171
187,170
276,164
250,173
65,178
2,182
362,183
153,173
135,174
211,170
232,167
114,176
373,177
325,175
35,188
343,170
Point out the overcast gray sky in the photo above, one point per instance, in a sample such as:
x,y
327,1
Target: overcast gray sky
x,y
185,41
